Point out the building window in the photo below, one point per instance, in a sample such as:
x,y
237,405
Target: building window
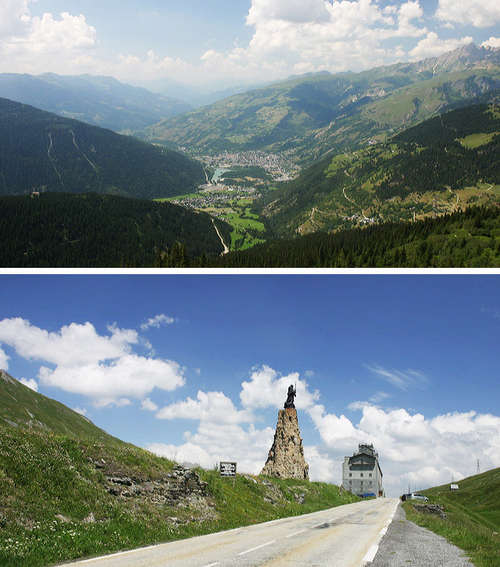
x,y
350,474
370,474
361,474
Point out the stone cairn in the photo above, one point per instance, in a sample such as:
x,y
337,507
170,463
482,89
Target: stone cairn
x,y
286,456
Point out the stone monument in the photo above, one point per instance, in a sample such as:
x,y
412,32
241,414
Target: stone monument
x,y
286,456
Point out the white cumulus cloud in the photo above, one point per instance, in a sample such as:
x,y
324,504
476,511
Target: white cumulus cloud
x,y
101,367
267,388
316,35
4,360
210,407
48,43
149,405
432,46
30,383
479,13
413,448
495,43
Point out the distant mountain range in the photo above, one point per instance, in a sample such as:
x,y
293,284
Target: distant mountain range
x,y
41,151
102,101
310,116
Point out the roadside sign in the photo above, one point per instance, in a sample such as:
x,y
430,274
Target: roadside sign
x,y
227,469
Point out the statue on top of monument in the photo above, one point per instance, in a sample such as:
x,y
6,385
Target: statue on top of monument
x,y
292,392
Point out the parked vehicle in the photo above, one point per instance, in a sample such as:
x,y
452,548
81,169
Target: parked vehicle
x,y
369,495
419,497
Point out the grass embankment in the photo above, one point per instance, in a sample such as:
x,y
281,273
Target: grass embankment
x,y
472,516
57,502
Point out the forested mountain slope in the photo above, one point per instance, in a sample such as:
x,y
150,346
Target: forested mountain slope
x,y
90,230
441,165
97,100
468,238
309,116
40,151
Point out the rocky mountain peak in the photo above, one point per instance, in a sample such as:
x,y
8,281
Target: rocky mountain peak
x,y
6,377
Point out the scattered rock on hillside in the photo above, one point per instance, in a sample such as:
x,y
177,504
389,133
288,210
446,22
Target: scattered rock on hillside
x,y
182,488
430,509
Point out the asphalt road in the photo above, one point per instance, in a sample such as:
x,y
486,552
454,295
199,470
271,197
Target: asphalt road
x,y
346,536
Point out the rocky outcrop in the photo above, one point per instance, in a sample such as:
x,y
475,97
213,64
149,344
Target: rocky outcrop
x,y
177,485
430,509
286,456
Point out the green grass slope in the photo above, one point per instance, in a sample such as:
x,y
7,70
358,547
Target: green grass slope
x,y
442,165
90,230
69,490
40,151
472,516
313,115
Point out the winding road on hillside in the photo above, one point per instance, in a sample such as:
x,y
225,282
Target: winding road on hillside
x,y
346,536
226,249
351,200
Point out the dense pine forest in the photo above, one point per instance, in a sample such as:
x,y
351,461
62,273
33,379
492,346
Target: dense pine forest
x,y
40,151
465,239
90,230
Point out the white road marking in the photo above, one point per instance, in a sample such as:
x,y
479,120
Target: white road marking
x,y
295,533
232,532
258,547
212,564
120,553
370,554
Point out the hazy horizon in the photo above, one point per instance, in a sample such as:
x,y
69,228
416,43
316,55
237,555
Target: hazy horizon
x,y
215,46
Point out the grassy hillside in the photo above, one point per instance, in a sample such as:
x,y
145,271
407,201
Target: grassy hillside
x,y
441,165
90,230
40,151
97,100
69,490
472,516
307,117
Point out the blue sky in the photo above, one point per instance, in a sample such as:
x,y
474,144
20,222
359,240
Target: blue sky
x,y
196,366
212,45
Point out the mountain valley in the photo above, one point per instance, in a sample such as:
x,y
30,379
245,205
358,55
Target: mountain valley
x,y
315,153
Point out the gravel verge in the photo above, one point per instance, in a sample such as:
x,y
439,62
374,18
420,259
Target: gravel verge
x,y
407,545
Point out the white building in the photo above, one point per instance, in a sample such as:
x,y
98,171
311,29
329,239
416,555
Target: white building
x,y
361,473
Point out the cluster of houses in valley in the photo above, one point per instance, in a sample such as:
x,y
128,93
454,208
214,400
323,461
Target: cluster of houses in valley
x,y
216,197
276,165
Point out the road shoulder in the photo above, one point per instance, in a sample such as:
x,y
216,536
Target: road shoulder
x,y
405,544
